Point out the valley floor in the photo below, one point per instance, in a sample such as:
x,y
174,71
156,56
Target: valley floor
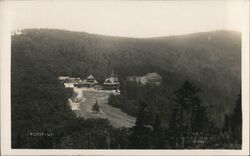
x,y
82,105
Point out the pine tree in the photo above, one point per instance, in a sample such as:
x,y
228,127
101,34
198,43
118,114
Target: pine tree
x,y
174,128
96,107
158,134
199,118
142,131
237,121
187,105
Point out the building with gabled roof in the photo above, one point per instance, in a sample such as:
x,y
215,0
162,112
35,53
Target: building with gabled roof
x,y
111,83
90,81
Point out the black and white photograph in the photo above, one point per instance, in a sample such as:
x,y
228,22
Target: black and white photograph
x,y
126,75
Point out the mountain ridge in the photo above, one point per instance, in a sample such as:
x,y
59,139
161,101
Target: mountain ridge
x,y
154,37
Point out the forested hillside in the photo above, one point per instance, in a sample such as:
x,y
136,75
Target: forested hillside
x,y
41,117
210,60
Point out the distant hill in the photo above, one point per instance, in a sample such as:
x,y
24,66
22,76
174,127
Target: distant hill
x,y
212,60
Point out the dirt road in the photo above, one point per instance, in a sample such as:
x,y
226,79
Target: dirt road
x,y
116,117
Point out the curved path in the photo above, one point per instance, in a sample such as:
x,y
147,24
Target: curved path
x,y
116,117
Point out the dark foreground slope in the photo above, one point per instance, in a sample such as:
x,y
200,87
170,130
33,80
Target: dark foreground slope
x,y
211,60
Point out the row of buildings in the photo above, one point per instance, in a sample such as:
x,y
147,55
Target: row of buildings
x,y
110,83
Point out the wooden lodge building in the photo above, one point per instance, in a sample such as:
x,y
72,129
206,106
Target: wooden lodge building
x,y
111,83
89,82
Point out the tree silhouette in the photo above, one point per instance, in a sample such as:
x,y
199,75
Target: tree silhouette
x,y
237,121
142,131
187,111
199,119
96,107
158,134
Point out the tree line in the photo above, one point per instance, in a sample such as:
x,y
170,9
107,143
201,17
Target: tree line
x,y
188,125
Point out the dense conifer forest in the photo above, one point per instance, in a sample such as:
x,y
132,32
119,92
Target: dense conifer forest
x,y
198,104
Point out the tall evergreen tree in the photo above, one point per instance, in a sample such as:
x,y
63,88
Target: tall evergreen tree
x,y
142,131
174,128
158,134
199,118
237,121
186,107
185,99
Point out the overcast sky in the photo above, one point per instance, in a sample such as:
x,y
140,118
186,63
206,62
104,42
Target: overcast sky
x,y
128,18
